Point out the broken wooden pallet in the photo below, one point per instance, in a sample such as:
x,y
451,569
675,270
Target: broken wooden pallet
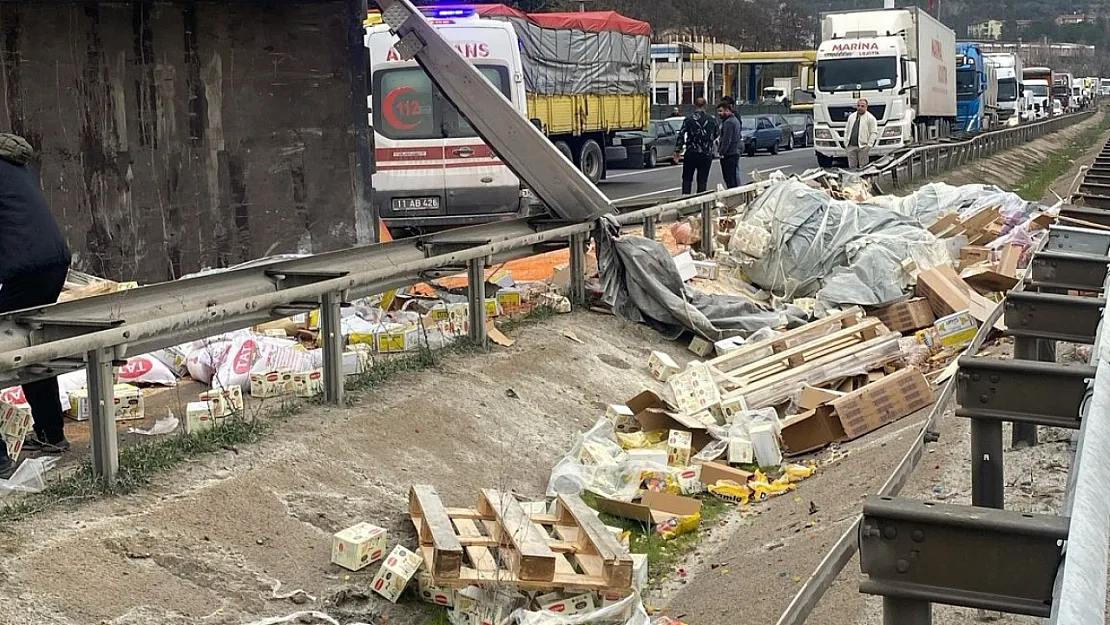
x,y
498,542
757,351
799,355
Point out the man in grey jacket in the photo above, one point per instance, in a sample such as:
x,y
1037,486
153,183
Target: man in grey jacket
x,y
732,142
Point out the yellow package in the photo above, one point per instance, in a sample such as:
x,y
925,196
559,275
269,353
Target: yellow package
x,y
798,472
673,528
641,440
731,491
762,489
661,482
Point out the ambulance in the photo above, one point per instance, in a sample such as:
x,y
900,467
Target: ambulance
x,y
431,167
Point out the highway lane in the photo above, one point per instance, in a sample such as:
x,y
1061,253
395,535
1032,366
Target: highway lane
x,y
638,185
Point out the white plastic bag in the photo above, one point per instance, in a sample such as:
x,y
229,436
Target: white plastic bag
x,y
29,477
629,611
146,370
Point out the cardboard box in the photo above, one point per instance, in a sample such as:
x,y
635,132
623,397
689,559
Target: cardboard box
x,y
199,416
358,358
308,383
732,407
128,399
556,302
875,405
396,572
559,603
765,445
906,316
358,546
653,508
811,430
16,423
662,366
956,331
225,401
1011,257
740,451
684,262
725,346
701,347
430,593
678,448
944,290
713,472
694,389
621,415
271,384
665,418
510,298
396,341
988,279
707,269
974,254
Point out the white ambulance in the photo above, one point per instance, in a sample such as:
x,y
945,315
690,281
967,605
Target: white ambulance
x,y
431,167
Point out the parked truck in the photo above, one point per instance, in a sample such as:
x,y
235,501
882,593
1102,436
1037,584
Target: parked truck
x,y
432,169
1038,81
1012,103
903,61
976,89
1062,90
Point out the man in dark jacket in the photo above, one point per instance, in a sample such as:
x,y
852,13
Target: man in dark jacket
x,y
695,144
34,262
732,142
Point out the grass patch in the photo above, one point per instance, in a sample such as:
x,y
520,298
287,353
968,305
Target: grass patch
x,y
139,463
1036,183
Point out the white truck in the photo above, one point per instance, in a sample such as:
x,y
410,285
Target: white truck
x,y
781,90
1012,103
902,61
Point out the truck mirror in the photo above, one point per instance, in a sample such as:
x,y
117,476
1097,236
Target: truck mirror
x,y
911,74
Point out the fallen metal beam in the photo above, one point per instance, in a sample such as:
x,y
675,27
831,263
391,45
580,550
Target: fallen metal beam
x,y
1054,317
1069,271
960,555
1078,240
1086,213
1021,391
522,146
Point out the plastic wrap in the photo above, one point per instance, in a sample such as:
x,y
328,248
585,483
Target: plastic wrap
x,y
628,611
598,463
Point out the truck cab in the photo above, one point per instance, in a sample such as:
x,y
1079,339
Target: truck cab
x,y
976,89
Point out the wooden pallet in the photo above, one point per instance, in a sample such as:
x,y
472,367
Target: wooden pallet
x,y
808,352
497,542
760,350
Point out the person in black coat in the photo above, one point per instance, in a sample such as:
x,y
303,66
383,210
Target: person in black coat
x,y
34,263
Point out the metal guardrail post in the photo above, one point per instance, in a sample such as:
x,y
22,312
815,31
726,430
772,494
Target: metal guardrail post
x,y
102,409
578,269
988,489
476,299
1025,434
649,228
331,335
707,229
906,612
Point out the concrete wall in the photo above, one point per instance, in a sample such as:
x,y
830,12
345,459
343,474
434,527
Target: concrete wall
x,y
174,136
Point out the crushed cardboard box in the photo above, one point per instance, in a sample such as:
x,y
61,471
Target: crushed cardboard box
x,y
653,508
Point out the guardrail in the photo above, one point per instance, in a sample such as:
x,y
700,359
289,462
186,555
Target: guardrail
x,y
922,162
1038,565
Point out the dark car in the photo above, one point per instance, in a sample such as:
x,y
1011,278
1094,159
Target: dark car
x,y
760,133
659,142
803,129
785,128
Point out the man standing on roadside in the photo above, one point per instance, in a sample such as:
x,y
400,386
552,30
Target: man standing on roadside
x,y
695,145
34,263
863,132
732,142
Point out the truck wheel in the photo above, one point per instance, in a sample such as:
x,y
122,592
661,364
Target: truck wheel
x,y
825,162
591,160
564,149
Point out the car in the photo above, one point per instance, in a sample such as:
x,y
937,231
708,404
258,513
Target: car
x,y
659,142
676,123
803,129
786,128
759,133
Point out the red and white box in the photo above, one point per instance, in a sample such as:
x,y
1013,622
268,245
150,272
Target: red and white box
x,y
396,572
358,546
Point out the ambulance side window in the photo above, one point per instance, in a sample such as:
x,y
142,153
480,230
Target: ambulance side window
x,y
404,104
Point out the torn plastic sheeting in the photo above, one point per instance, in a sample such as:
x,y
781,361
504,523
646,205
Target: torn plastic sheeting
x,y
599,464
640,281
300,617
933,201
29,477
836,251
614,613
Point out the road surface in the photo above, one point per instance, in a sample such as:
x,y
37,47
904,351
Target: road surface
x,y
638,185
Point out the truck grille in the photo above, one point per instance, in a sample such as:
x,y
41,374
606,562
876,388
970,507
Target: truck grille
x,y
839,114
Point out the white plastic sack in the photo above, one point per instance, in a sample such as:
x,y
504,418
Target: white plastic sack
x,y
614,613
235,367
146,370
29,477
206,356
69,382
174,358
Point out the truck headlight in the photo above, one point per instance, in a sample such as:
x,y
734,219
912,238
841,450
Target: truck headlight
x,y
822,133
892,131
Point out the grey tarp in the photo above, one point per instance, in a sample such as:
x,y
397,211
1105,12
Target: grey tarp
x,y
837,251
576,62
640,281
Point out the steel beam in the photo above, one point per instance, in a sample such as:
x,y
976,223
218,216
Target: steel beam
x,y
1086,213
988,473
331,339
960,555
1021,391
577,269
898,611
102,417
1054,317
522,146
1078,240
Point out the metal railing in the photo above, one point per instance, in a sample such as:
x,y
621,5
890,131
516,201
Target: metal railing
x,y
926,161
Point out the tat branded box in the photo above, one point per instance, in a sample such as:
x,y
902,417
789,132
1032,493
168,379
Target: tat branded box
x,y
199,416
358,546
308,383
399,567
225,401
271,384
128,400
